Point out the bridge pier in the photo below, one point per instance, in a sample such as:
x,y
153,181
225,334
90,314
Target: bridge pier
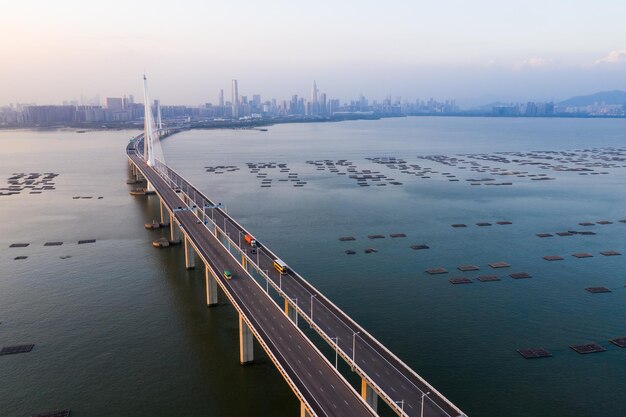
x,y
162,210
211,287
369,395
189,255
290,311
304,412
246,353
174,230
149,186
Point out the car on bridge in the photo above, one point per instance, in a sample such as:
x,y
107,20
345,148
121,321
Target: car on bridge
x,y
227,274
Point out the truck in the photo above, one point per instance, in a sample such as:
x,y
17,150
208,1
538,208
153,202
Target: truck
x,y
250,239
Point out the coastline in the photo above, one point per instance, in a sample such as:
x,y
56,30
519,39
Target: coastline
x,y
260,123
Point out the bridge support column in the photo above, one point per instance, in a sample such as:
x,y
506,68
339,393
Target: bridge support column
x,y
304,412
149,186
166,216
290,311
369,395
246,353
211,287
174,230
189,255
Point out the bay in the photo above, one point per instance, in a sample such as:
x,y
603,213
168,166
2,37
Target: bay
x,y
120,328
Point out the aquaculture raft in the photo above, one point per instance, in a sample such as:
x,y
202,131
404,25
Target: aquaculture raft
x,y
435,271
534,353
456,281
57,413
488,278
496,265
11,350
553,258
619,341
467,268
597,290
587,348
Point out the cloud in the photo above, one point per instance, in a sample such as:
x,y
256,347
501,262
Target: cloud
x,y
534,62
614,57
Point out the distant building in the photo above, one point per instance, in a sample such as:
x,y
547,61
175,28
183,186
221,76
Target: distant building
x,y
235,100
115,104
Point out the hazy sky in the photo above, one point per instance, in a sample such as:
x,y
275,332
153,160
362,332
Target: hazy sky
x,y
476,51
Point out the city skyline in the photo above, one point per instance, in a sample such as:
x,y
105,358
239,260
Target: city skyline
x,y
480,53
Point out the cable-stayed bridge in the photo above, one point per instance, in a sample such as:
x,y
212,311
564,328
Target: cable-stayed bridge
x,y
218,241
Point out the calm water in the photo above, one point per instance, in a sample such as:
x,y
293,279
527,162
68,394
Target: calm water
x,y
120,328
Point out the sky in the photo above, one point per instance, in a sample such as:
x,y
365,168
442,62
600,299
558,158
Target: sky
x,y
476,51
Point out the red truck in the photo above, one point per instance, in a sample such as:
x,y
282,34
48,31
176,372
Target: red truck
x,y
250,239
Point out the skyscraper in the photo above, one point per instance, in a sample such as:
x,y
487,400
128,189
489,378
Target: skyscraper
x,y
235,100
314,102
221,98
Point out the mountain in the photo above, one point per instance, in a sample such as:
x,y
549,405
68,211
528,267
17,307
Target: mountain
x,y
608,97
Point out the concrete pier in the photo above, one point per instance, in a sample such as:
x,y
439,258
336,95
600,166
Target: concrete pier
x,y
369,395
304,412
162,210
174,231
290,311
189,255
211,287
246,353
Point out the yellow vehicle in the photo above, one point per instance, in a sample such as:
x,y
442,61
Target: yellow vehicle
x,y
281,266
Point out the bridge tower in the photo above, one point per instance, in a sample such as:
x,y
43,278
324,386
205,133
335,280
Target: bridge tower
x,y
149,127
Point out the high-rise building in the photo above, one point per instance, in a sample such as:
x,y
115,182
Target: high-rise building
x,y
221,98
115,104
314,102
235,100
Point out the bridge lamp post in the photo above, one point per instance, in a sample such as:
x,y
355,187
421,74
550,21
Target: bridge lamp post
x,y
354,349
422,405
312,322
401,402
336,339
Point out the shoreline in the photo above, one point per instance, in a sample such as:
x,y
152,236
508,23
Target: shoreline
x,y
260,123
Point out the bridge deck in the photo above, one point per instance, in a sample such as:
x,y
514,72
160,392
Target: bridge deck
x,y
388,375
311,376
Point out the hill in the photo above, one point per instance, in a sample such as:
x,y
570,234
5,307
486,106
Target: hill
x,y
608,97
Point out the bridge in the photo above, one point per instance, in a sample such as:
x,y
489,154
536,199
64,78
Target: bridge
x,y
206,230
